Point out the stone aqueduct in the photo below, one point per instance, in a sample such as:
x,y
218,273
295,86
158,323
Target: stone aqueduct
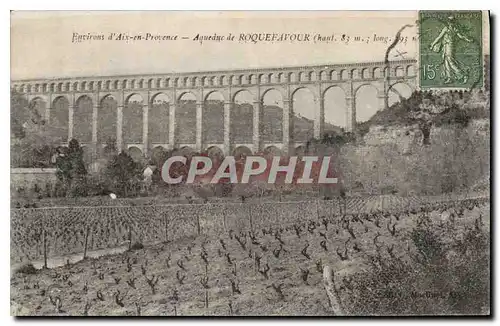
x,y
286,80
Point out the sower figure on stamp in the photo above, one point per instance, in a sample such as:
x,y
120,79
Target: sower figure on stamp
x,y
446,44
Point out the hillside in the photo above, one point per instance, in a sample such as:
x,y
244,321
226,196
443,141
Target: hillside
x,y
443,109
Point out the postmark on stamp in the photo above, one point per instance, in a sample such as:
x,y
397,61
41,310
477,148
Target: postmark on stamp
x,y
451,49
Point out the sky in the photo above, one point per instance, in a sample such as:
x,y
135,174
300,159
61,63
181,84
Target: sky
x,y
42,43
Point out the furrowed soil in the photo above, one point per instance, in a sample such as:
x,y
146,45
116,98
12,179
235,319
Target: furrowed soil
x,y
287,280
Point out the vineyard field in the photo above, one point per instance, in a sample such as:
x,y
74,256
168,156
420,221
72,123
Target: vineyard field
x,y
274,270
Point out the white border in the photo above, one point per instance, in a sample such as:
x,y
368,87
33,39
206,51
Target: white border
x,y
190,5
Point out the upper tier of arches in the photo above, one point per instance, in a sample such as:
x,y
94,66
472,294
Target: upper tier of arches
x,y
362,71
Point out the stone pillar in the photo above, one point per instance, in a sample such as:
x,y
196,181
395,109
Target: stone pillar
x,y
47,115
227,127
382,100
71,109
145,129
171,125
119,128
95,116
286,124
257,126
199,126
350,102
319,121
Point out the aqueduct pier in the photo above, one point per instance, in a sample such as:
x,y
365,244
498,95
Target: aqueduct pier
x,y
92,109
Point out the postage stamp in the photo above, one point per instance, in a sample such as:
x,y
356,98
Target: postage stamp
x,y
451,49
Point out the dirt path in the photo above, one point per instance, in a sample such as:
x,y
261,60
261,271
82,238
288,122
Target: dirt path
x,y
59,261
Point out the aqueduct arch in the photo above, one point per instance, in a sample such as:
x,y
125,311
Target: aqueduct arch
x,y
106,124
255,108
83,119
59,117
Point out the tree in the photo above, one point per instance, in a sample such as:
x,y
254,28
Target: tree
x,y
429,109
109,149
71,170
32,140
123,175
18,114
159,156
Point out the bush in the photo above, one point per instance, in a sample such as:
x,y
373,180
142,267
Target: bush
x,y
48,190
389,190
137,246
441,278
123,175
27,269
427,244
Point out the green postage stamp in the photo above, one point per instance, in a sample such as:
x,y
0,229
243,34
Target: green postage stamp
x,y
451,44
